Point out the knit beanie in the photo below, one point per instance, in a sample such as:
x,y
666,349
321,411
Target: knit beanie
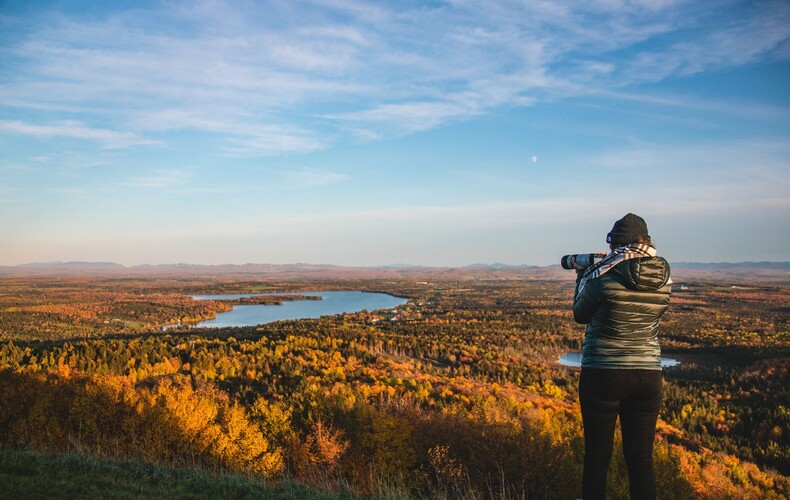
x,y
627,230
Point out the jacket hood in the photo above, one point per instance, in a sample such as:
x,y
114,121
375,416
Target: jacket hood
x,y
647,273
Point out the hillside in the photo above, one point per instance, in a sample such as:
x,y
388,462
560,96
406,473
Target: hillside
x,y
33,475
459,393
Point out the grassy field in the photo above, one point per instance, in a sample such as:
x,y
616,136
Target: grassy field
x,y
26,474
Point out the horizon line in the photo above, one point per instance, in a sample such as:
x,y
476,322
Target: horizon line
x,y
77,263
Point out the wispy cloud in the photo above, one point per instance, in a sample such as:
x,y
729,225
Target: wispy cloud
x,y
752,158
251,71
272,139
75,130
746,176
409,117
160,179
733,44
314,177
520,217
732,107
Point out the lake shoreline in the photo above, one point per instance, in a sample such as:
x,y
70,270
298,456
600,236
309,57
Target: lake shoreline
x,y
574,360
325,303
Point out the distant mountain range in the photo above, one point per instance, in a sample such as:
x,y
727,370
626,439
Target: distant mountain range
x,y
98,266
730,265
498,265
736,271
69,265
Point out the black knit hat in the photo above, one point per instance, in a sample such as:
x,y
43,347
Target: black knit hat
x,y
628,230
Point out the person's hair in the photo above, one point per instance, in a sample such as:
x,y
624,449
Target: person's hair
x,y
639,239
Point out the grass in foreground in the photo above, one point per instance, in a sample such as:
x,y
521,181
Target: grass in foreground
x,y
33,475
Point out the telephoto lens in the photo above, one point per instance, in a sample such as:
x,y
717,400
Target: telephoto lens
x,y
583,260
567,261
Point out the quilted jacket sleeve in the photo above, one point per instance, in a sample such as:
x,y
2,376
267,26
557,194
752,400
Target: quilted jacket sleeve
x,y
586,302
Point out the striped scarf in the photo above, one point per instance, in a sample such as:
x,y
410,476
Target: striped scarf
x,y
616,256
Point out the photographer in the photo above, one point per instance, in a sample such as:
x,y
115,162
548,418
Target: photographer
x,y
621,298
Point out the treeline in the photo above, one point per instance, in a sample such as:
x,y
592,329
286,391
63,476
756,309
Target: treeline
x,y
75,308
269,300
735,399
97,314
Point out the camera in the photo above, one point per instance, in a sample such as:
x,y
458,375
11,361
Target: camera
x,y
584,260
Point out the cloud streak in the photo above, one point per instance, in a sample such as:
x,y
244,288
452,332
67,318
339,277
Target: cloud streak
x,y
386,70
110,139
162,178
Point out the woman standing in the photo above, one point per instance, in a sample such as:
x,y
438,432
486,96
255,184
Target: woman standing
x,y
621,299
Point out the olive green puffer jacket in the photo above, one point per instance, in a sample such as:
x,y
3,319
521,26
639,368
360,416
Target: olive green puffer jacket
x,y
622,309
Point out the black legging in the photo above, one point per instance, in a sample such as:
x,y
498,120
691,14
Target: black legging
x,y
634,395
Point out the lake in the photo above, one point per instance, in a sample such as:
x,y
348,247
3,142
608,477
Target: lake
x,y
575,359
333,302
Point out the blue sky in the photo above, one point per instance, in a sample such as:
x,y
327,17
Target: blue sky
x,y
371,133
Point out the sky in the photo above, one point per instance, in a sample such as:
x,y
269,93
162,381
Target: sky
x,y
364,133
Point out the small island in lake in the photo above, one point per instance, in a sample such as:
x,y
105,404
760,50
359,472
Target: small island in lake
x,y
269,300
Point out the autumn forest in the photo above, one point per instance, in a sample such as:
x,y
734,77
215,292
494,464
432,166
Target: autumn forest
x,y
456,394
